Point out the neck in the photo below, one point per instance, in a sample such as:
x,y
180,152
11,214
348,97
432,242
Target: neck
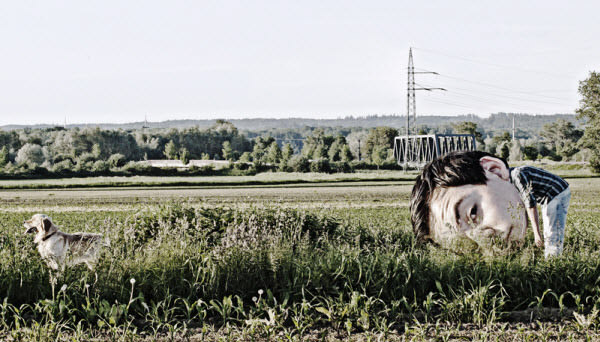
x,y
48,236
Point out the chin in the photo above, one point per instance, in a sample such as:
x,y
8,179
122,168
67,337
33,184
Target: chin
x,y
519,235
519,218
518,231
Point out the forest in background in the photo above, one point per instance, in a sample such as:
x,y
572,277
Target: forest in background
x,y
57,151
499,121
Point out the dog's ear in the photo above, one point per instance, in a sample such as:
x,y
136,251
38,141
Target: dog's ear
x,y
46,224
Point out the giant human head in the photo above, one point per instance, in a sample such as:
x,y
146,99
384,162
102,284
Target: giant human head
x,y
467,197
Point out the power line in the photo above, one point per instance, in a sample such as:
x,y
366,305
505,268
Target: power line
x,y
500,95
518,98
493,64
468,106
495,86
450,103
479,101
491,96
536,92
484,100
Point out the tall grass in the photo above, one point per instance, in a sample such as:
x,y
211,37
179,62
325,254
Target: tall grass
x,y
180,269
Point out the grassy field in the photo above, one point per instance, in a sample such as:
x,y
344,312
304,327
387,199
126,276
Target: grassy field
x,y
325,261
261,179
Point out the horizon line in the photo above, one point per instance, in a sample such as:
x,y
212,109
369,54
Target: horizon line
x,y
348,117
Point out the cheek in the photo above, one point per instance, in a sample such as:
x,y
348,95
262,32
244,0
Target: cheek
x,y
515,211
505,216
444,233
498,211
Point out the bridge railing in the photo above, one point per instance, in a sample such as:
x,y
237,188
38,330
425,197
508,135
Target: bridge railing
x,y
418,150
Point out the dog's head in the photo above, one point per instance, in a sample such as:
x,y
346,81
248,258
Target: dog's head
x,y
40,224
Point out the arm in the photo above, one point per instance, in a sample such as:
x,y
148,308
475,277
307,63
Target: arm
x,y
524,186
532,213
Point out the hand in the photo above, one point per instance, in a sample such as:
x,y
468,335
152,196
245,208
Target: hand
x,y
539,242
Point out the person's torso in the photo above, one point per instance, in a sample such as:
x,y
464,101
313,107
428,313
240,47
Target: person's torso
x,y
541,184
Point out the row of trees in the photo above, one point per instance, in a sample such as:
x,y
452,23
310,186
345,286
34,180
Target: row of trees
x,y
320,151
99,151
559,140
58,149
93,148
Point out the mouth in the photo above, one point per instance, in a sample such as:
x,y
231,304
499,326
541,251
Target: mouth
x,y
31,230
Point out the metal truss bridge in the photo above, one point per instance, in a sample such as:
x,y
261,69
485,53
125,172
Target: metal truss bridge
x,y
421,149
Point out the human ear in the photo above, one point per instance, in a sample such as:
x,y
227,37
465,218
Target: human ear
x,y
495,166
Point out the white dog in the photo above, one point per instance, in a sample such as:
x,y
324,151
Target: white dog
x,y
60,249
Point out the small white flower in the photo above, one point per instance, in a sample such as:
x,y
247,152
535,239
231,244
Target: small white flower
x,y
260,292
254,299
87,286
63,288
132,281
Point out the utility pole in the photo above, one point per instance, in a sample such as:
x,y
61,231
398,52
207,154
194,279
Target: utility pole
x,y
358,149
513,129
411,102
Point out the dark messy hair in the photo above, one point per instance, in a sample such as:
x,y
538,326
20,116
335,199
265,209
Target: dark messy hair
x,y
453,169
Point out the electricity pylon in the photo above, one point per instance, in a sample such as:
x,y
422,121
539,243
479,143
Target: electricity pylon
x,y
411,101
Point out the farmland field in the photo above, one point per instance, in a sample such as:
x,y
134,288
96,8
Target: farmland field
x,y
328,260
267,178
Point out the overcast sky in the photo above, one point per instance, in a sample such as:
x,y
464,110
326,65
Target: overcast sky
x,y
117,61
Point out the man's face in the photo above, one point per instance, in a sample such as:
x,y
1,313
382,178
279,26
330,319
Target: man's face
x,y
478,213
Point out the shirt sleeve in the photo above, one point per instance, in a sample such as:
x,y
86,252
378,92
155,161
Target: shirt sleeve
x,y
524,187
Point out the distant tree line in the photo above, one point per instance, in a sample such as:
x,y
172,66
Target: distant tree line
x,y
530,124
557,141
96,151
93,151
325,151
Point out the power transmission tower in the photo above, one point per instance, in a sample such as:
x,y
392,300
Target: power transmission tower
x,y
411,102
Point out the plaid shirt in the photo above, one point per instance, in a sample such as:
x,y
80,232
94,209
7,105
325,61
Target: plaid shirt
x,y
536,185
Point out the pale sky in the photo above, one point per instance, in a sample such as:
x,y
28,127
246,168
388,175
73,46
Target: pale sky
x,y
117,61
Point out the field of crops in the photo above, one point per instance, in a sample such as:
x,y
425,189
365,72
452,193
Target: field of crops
x,y
326,261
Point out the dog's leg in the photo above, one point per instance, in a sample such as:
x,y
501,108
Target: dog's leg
x,y
52,263
53,274
53,282
90,266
